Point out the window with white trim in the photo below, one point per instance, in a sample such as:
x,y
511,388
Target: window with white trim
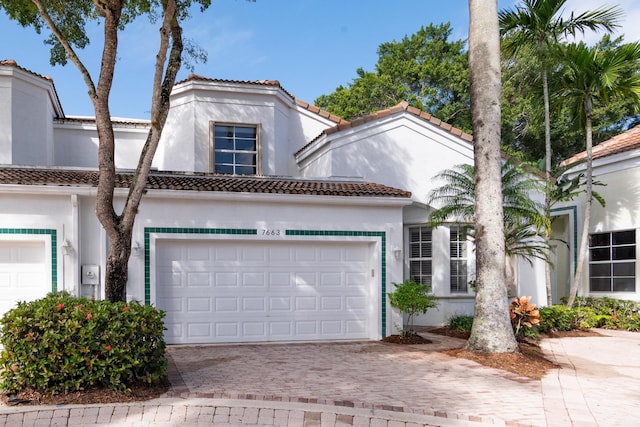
x,y
458,259
420,254
235,149
612,261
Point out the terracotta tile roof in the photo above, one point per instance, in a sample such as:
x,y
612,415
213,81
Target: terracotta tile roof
x,y
13,63
626,141
114,120
194,77
200,182
403,106
323,113
273,83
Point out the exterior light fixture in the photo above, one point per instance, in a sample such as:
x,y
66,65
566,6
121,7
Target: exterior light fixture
x,y
136,249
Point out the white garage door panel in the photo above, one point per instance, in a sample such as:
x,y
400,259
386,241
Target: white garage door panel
x,y
23,272
217,291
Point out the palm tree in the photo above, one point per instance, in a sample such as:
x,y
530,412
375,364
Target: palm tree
x,y
591,76
539,24
491,331
524,218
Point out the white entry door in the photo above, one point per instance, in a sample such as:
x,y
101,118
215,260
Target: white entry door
x,y
246,291
23,272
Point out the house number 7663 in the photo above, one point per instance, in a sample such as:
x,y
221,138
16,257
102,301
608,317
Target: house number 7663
x,y
271,232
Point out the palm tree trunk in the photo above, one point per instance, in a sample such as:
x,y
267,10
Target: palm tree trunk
x,y
491,331
547,156
584,238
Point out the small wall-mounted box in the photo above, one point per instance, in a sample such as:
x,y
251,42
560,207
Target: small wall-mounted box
x,y
90,275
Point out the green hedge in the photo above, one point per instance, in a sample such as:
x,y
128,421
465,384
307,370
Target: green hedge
x,y
591,312
586,313
63,343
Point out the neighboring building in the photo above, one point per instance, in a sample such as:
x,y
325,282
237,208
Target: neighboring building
x,y
611,266
265,219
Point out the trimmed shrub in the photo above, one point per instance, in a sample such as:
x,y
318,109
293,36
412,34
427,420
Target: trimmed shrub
x,y
610,313
412,298
557,318
63,343
461,323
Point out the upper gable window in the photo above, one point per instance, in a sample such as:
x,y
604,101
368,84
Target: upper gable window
x,y
235,149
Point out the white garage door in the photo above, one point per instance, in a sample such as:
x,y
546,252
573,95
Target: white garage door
x,y
23,273
220,291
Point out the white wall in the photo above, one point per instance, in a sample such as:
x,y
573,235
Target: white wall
x,y
25,117
621,176
401,151
76,144
185,144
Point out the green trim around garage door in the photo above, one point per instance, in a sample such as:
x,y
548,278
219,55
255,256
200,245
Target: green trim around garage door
x,y
179,230
244,231
53,234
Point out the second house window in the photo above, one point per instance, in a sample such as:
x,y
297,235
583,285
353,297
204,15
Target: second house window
x,y
235,149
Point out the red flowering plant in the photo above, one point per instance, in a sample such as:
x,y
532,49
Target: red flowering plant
x,y
63,343
523,314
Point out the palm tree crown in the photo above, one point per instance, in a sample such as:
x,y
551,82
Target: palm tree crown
x,y
540,23
592,75
524,217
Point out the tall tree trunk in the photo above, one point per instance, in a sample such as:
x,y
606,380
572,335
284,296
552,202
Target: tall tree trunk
x,y
547,158
117,267
491,331
584,238
119,228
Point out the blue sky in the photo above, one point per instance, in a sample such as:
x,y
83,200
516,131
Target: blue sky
x,y
310,46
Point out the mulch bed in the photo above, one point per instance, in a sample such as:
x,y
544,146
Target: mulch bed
x,y
406,339
137,393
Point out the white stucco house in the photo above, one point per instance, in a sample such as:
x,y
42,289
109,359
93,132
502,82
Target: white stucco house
x,y
265,219
611,264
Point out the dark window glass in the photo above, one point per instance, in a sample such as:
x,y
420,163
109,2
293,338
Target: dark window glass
x,y
600,270
235,150
624,237
224,157
624,284
624,252
245,170
224,144
246,144
624,269
598,284
612,261
224,131
228,169
245,159
600,254
246,132
599,239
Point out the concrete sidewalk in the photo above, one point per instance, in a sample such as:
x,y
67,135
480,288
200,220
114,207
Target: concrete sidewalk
x,y
374,384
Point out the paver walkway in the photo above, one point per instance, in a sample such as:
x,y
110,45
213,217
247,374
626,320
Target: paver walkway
x,y
374,384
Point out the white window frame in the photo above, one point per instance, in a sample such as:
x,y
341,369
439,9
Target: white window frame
x,y
212,146
461,258
420,256
612,261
